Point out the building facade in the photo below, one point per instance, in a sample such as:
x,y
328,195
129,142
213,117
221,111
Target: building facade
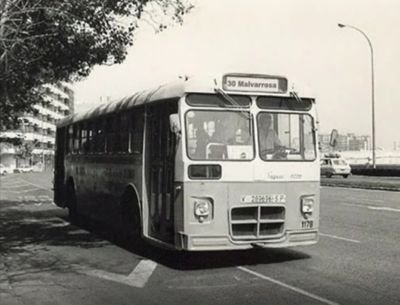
x,y
345,142
32,142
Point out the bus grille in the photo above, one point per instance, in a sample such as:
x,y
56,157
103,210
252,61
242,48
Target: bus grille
x,y
257,222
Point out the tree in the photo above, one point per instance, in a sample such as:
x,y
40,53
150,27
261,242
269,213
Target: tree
x,y
45,41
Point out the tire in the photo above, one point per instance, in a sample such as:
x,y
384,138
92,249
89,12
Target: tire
x,y
328,175
72,203
130,229
345,176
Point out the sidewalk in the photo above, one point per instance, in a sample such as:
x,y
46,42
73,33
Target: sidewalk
x,y
364,182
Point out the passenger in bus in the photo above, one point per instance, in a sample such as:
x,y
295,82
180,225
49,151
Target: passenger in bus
x,y
269,140
205,135
202,138
241,137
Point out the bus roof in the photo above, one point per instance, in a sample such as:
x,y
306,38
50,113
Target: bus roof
x,y
167,91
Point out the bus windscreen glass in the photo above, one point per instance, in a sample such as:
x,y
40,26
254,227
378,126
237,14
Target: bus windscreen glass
x,y
286,136
219,135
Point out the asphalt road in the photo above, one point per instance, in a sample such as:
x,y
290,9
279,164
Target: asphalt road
x,y
46,260
370,182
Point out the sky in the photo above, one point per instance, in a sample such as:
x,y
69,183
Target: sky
x,y
298,39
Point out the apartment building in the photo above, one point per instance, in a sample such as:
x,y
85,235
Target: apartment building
x,y
31,142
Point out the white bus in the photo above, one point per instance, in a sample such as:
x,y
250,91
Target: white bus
x,y
199,164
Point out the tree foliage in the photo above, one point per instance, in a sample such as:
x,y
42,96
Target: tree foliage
x,y
45,41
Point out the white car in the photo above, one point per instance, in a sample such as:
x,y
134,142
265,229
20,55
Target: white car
x,y
335,166
24,169
4,170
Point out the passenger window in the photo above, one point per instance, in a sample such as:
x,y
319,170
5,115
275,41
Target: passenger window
x,y
70,138
110,140
137,131
122,133
98,137
76,137
83,144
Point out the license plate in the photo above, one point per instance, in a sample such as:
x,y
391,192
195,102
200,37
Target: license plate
x,y
307,224
267,198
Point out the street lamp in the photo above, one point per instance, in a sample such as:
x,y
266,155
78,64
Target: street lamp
x,y
372,87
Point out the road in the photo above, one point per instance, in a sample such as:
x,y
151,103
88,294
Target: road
x,y
357,181
46,260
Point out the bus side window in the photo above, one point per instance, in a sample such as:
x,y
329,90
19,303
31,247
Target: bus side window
x,y
110,134
83,144
117,134
76,138
123,133
70,146
89,143
137,130
98,136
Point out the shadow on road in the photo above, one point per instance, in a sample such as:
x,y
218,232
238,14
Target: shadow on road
x,y
23,228
219,259
183,260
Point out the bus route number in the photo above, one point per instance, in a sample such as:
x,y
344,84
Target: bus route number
x,y
307,224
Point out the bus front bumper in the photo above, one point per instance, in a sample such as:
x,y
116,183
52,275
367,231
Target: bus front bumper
x,y
219,243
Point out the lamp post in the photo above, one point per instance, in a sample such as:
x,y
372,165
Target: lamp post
x,y
372,87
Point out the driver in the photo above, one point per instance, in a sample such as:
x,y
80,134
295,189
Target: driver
x,y
269,141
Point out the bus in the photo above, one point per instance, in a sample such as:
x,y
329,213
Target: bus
x,y
220,163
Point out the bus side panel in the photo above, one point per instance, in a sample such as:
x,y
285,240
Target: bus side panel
x,y
100,182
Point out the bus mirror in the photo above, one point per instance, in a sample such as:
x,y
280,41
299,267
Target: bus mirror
x,y
174,123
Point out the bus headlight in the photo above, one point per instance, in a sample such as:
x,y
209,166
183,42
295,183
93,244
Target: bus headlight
x,y
202,208
307,205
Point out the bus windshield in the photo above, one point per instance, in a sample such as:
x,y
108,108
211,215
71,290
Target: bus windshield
x,y
219,135
286,136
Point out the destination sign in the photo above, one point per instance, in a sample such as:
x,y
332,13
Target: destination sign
x,y
264,84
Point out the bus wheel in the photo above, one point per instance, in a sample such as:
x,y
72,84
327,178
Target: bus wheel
x,y
130,218
72,204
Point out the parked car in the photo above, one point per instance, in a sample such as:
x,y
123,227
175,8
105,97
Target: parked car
x,y
24,169
335,166
4,170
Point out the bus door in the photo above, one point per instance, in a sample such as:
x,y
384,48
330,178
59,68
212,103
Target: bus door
x,y
160,159
59,169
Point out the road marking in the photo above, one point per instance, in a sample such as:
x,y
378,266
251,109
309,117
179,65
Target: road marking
x,y
364,199
384,209
141,274
137,278
340,238
371,207
293,288
353,204
12,184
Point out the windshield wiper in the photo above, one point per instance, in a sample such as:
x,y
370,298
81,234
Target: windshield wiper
x,y
296,96
231,101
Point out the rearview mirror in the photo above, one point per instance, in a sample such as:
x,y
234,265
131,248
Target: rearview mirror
x,y
175,124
